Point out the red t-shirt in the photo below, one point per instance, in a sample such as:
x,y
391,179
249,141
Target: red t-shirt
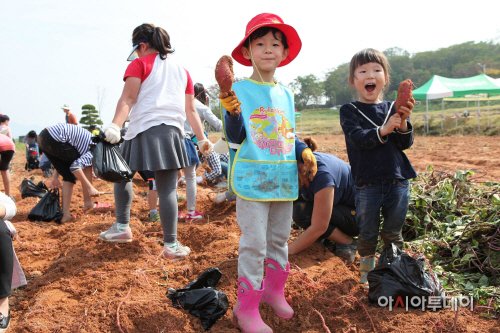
x,y
142,67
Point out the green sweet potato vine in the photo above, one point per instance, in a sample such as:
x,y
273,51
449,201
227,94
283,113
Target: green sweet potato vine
x,y
454,220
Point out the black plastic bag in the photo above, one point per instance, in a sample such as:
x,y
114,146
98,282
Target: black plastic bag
x,y
399,275
201,299
107,161
30,189
47,209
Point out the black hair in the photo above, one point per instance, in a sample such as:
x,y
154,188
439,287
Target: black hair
x,y
92,126
31,134
156,37
366,56
261,32
200,93
4,118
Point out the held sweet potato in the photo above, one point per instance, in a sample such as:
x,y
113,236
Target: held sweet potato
x,y
405,94
225,78
224,73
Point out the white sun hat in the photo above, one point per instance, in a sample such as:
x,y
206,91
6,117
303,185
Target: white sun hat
x,y
65,107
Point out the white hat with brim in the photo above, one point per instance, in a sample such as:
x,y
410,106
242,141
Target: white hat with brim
x,y
65,107
220,147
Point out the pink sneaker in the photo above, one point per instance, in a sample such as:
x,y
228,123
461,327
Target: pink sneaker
x,y
194,216
180,216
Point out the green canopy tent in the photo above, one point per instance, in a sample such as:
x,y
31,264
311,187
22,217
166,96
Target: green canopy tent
x,y
441,87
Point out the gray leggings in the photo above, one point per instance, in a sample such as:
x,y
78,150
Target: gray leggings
x,y
190,174
265,229
166,185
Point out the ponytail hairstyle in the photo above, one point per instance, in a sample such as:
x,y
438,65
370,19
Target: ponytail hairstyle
x,y
303,171
156,37
200,93
311,143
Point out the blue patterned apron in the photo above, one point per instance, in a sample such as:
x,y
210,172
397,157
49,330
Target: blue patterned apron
x,y
264,168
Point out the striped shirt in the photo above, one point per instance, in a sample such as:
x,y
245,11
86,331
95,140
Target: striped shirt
x,y
79,138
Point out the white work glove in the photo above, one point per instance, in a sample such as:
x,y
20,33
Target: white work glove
x,y
206,147
112,133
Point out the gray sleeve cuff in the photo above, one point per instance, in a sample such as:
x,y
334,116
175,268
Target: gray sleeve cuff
x,y
408,131
380,137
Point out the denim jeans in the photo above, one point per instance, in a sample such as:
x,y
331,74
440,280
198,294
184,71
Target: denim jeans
x,y
392,196
224,166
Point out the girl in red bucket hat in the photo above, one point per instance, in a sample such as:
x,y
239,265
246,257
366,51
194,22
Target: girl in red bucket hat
x,y
263,170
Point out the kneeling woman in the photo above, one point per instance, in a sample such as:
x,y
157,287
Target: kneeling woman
x,y
67,147
326,206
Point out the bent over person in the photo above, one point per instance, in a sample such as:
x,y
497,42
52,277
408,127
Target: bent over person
x,y
67,147
326,206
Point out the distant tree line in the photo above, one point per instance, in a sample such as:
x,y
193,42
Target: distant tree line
x,y
456,61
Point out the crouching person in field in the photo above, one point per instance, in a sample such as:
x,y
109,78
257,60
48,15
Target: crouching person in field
x,y
326,206
67,147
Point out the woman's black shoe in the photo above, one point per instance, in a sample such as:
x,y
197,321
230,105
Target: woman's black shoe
x,y
4,322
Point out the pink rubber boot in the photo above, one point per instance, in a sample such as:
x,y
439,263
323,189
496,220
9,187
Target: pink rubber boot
x,y
246,314
274,288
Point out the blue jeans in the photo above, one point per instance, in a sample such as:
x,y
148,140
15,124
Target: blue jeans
x,y
224,166
392,196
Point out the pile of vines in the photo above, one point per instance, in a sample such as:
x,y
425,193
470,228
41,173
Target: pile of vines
x,y
454,220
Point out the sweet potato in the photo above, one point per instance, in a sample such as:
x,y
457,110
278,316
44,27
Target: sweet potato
x,y
224,73
225,77
404,94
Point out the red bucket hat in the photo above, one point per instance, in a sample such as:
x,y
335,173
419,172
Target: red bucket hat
x,y
270,20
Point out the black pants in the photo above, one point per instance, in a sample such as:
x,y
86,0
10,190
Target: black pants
x,y
343,217
5,158
60,154
6,260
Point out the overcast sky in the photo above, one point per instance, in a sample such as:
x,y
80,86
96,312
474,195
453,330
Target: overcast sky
x,y
57,52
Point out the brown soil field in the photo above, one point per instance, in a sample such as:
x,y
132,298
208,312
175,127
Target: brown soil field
x,y
78,284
